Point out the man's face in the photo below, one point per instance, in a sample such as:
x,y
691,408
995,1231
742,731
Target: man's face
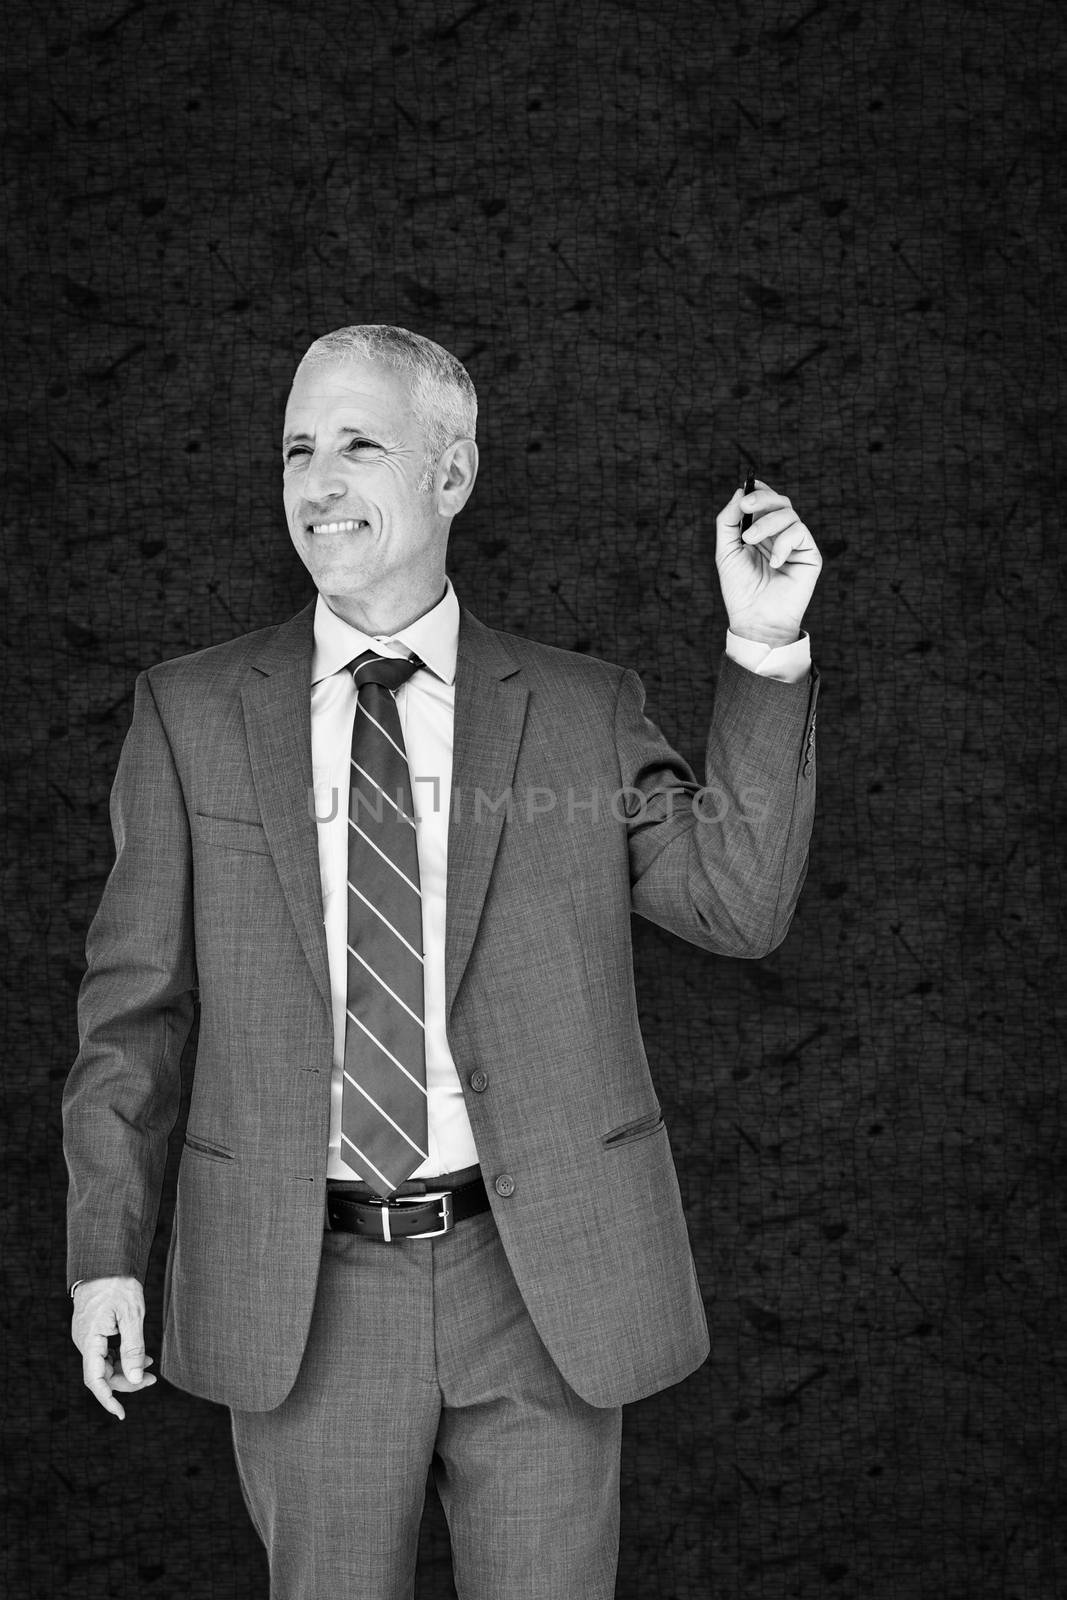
x,y
353,457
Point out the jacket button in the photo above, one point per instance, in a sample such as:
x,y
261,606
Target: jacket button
x,y
505,1185
478,1081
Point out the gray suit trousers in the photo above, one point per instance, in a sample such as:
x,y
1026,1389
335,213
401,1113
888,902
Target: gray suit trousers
x,y
422,1355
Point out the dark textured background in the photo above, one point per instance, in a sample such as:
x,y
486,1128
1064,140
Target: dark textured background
x,y
667,239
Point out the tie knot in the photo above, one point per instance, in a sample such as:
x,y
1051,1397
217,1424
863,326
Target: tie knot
x,y
390,671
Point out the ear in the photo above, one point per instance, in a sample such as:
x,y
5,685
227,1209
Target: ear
x,y
454,476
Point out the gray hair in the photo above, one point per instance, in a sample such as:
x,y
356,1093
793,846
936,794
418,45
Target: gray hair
x,y
442,394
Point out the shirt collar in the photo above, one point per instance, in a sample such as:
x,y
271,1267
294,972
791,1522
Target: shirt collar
x,y
433,637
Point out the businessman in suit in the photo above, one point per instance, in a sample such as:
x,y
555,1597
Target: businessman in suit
x,y
427,1215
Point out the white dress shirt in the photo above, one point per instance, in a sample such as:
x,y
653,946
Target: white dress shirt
x,y
426,706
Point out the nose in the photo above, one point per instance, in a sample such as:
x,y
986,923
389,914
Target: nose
x,y
323,480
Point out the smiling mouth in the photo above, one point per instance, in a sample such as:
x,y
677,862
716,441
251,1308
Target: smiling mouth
x,y
350,526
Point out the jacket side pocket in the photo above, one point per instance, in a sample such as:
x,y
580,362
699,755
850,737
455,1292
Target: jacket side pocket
x,y
629,1131
214,1152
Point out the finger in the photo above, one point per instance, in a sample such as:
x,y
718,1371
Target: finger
x,y
762,496
123,1385
131,1344
94,1358
785,544
101,1391
798,546
118,1381
770,521
96,1376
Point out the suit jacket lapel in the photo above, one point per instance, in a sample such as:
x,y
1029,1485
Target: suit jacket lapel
x,y
490,711
277,708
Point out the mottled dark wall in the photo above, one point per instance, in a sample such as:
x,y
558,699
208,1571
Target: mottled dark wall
x,y
667,239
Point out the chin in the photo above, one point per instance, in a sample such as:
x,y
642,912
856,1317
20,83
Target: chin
x,y
342,583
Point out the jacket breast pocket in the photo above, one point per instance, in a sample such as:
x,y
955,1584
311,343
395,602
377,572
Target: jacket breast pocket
x,y
231,833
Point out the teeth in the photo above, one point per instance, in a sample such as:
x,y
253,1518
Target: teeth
x,y
337,527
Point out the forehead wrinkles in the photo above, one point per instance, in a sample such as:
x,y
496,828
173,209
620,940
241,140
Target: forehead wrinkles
x,y
352,392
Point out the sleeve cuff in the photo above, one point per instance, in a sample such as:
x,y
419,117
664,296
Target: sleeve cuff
x,y
789,663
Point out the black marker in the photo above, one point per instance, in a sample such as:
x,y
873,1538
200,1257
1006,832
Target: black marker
x,y
746,517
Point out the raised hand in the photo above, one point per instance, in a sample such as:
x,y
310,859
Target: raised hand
x,y
768,573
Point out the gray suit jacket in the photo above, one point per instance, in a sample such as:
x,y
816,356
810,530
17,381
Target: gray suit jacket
x,y
215,893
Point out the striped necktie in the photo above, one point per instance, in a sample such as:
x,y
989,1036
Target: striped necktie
x,y
383,1104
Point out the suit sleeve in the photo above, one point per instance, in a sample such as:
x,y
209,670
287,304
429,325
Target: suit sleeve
x,y
722,865
135,1010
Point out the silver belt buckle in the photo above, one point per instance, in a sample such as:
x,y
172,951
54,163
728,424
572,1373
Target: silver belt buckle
x,y
445,1197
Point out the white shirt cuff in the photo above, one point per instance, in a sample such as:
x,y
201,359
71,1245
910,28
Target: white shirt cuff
x,y
789,663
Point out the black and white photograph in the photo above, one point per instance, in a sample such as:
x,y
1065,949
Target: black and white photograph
x,y
533,728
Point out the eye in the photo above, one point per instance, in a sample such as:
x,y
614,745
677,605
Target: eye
x,y
362,444
296,450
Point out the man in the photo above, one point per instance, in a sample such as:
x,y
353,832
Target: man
x,y
426,1213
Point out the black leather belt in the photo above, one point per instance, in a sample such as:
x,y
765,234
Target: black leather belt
x,y
422,1208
